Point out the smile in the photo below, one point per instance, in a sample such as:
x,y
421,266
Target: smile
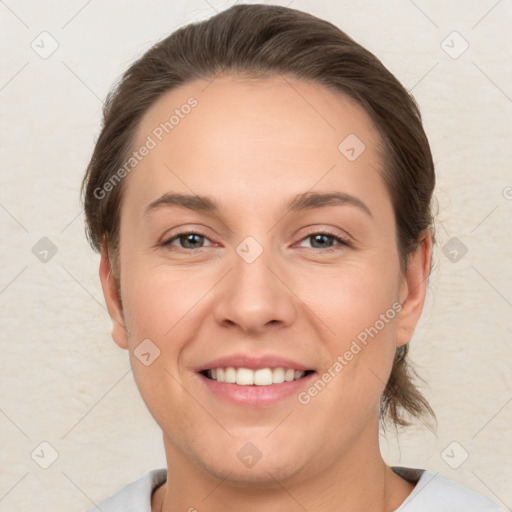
x,y
256,377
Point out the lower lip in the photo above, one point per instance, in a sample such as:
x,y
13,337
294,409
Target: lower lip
x,y
256,396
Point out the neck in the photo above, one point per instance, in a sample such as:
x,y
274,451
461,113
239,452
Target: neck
x,y
356,482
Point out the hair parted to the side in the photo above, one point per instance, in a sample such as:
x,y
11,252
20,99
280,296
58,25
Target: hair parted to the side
x,y
267,40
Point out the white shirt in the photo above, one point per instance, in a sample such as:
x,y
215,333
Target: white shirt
x,y
432,493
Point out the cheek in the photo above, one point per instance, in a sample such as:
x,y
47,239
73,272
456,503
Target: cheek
x,y
358,305
155,311
156,299
352,297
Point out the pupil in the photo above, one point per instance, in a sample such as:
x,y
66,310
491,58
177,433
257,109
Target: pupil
x,y
322,239
190,240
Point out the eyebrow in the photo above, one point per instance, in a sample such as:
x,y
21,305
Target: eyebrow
x,y
305,201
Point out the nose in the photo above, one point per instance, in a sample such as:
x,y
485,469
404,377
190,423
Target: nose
x,y
255,296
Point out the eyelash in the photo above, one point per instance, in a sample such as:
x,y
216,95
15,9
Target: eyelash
x,y
341,240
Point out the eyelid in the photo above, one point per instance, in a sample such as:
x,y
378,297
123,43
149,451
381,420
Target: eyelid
x,y
328,230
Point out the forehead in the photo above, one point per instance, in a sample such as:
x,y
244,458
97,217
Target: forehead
x,y
239,137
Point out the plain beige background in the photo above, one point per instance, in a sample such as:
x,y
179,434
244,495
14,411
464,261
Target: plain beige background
x,y
63,381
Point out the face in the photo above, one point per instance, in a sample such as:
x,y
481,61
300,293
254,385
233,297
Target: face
x,y
259,263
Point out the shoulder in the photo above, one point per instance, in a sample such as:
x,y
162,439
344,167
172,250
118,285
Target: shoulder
x,y
134,497
436,493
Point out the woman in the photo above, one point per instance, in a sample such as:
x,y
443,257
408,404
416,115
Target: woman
x,y
260,194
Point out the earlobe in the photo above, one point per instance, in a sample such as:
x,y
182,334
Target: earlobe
x,y
413,289
112,301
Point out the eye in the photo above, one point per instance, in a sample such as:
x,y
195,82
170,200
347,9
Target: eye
x,y
324,240
189,240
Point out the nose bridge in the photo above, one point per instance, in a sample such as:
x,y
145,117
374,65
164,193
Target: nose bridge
x,y
252,296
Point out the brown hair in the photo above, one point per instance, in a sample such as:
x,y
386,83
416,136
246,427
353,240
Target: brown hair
x,y
258,40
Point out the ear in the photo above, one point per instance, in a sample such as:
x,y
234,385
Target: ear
x,y
113,301
413,288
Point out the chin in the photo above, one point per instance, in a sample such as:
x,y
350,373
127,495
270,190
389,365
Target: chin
x,y
256,463
265,474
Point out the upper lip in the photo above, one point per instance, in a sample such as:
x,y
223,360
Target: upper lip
x,y
253,362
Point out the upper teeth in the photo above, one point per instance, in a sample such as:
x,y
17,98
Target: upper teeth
x,y
260,377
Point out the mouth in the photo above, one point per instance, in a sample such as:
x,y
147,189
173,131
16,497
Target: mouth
x,y
254,380
254,377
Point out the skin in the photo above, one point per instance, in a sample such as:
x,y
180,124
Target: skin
x,y
252,145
